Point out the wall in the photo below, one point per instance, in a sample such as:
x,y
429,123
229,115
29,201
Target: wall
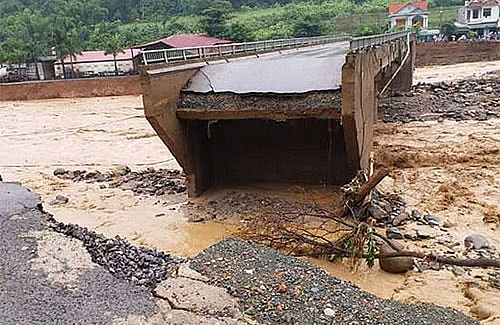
x,y
94,68
95,87
456,52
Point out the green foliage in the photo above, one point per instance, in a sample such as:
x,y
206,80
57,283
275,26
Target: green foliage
x,y
448,28
239,32
373,29
214,18
71,26
306,27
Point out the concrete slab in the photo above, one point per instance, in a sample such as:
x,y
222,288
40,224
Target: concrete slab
x,y
301,71
198,297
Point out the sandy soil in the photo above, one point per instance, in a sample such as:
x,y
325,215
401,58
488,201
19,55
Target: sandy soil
x,y
103,133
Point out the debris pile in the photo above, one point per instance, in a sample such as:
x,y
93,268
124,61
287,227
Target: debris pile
x,y
146,182
141,266
467,99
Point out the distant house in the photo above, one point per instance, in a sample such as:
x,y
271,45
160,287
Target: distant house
x,y
482,16
182,40
97,63
407,15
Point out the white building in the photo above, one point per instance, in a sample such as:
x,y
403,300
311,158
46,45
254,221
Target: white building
x,y
482,16
96,63
408,15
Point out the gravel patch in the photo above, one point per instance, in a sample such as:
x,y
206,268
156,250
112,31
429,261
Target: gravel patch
x,y
277,289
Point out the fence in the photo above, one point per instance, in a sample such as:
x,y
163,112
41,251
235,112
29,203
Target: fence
x,y
369,41
206,52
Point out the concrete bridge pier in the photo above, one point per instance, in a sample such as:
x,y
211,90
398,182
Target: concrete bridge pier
x,y
364,74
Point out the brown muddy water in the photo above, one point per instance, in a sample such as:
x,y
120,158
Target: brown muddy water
x,y
103,133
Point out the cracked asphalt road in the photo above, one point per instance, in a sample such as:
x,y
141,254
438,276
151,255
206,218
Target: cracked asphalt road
x,y
30,295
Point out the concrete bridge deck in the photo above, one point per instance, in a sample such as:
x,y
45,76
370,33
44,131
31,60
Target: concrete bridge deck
x,y
292,71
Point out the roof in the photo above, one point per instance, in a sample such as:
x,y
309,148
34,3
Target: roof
x,y
480,3
187,40
100,56
396,7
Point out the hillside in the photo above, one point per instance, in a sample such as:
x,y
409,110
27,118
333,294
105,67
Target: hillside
x,y
71,26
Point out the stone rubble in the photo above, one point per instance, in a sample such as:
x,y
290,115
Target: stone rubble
x,y
469,99
142,266
147,182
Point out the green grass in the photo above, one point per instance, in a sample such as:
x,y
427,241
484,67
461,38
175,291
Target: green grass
x,y
449,14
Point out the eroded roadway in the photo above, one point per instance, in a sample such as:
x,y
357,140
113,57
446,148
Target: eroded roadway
x,y
292,71
30,295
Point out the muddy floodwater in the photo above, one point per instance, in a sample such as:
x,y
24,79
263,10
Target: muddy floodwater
x,y
105,133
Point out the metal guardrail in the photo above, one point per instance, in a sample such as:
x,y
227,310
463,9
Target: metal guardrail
x,y
206,52
359,43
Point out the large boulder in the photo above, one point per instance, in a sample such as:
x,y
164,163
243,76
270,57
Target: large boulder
x,y
394,264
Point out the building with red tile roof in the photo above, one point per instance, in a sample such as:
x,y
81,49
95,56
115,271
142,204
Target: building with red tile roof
x,y
408,14
183,40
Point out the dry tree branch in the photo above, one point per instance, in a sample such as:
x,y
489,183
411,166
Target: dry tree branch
x,y
338,235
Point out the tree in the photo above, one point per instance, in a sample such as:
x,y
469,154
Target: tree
x,y
215,17
307,26
113,44
239,32
107,36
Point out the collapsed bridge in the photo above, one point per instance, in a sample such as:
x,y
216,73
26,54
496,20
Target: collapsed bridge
x,y
299,116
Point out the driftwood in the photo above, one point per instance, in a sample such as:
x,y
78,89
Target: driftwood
x,y
466,262
300,241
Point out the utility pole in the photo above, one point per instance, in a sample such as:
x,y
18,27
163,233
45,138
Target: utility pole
x,y
440,19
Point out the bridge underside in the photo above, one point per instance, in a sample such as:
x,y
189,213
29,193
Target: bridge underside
x,y
271,138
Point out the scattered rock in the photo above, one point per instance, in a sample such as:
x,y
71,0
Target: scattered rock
x,y
393,233
457,270
195,218
147,182
121,170
394,264
59,200
400,218
377,211
140,265
431,220
282,288
481,312
416,215
59,171
329,312
461,100
488,89
476,242
422,234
